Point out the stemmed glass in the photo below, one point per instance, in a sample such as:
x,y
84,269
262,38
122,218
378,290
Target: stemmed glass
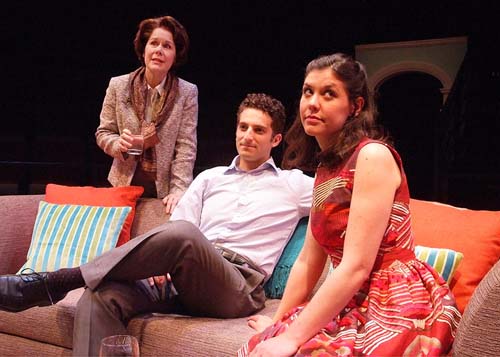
x,y
119,345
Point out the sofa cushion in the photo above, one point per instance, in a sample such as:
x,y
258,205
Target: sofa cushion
x,y
52,325
66,236
98,196
157,333
474,233
149,213
178,335
19,346
16,229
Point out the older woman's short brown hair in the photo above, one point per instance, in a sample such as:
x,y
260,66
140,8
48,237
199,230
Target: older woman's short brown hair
x,y
181,38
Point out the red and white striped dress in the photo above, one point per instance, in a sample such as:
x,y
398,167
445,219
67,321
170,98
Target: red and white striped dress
x,y
404,309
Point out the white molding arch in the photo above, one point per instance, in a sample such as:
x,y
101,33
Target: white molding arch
x,y
385,73
440,58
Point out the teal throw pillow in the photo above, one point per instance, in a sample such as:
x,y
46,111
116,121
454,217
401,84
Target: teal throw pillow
x,y
275,286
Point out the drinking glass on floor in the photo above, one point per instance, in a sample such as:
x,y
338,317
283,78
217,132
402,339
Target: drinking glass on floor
x,y
119,345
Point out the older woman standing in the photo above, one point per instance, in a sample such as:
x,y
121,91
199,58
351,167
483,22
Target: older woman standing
x,y
154,102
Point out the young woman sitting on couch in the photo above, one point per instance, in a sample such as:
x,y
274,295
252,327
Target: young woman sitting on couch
x,y
379,299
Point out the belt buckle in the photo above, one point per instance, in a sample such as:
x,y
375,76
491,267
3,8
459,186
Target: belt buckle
x,y
231,257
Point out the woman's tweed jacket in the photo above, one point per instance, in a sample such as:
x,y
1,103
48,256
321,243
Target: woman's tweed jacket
x,y
176,151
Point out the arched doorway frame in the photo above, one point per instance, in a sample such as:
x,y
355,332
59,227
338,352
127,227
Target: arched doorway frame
x,y
441,58
392,70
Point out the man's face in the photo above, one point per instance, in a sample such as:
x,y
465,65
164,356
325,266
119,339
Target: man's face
x,y
254,138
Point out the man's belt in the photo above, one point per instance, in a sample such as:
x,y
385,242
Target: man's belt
x,y
238,259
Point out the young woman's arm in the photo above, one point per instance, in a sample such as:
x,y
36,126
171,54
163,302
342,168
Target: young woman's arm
x,y
304,275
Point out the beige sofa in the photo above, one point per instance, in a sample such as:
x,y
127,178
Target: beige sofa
x,y
48,331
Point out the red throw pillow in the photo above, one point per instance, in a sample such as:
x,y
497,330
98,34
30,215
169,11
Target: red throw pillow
x,y
98,196
474,233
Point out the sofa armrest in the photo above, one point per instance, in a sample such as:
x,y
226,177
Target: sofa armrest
x,y
477,333
17,218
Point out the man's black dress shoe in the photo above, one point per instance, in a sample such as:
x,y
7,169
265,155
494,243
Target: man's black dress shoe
x,y
20,292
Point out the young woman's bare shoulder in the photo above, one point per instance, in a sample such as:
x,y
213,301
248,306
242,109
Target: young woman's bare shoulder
x,y
375,152
376,161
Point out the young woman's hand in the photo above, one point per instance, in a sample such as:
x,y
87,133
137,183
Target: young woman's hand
x,y
278,346
259,322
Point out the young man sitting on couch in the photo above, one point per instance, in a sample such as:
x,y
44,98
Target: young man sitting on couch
x,y
223,239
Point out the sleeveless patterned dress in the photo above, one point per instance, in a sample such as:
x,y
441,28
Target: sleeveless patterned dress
x,y
404,309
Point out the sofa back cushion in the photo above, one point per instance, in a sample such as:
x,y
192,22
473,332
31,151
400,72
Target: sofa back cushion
x,y
474,233
18,213
149,213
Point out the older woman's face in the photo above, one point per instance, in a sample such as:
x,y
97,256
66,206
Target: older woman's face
x,y
159,53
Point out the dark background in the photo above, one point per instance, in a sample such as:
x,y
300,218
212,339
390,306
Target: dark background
x,y
58,58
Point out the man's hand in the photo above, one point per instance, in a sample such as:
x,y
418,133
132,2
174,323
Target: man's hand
x,y
170,201
259,322
159,282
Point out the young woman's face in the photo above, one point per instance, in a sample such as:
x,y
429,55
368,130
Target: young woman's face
x,y
159,53
324,106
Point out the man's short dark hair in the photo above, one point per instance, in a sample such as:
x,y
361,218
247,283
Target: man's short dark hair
x,y
269,105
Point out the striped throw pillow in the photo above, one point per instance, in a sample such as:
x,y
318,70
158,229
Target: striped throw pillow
x,y
67,236
444,261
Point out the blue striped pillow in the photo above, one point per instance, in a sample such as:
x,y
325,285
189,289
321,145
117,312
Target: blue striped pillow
x,y
67,236
444,261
